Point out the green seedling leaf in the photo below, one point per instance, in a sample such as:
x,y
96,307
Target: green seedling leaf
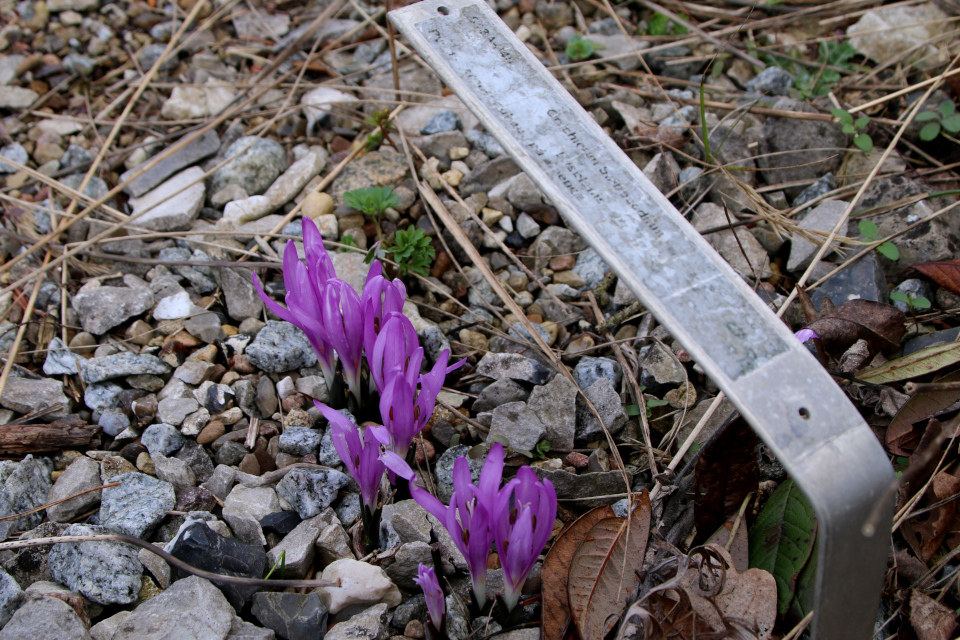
x,y
848,129
660,25
930,131
951,124
542,449
281,563
947,108
916,364
927,116
372,200
889,250
921,302
863,142
782,540
862,123
657,24
579,48
899,296
843,114
868,228
632,410
412,251
836,54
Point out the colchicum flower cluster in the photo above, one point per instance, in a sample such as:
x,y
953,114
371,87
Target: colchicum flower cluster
x,y
518,518
348,328
343,327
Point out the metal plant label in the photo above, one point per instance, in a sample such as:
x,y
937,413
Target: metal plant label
x,y
782,391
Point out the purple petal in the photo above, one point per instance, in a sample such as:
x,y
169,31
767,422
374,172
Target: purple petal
x,y
398,465
381,434
427,580
491,475
281,312
805,335
398,411
376,271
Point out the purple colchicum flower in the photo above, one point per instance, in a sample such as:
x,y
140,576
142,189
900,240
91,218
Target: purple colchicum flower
x,y
343,321
521,532
396,346
395,367
427,580
304,284
404,410
380,299
318,260
805,335
360,454
469,516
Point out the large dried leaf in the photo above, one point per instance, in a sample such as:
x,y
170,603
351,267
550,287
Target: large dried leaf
x,y
881,325
726,472
930,619
927,531
719,593
919,408
605,569
782,539
916,364
556,571
739,548
945,273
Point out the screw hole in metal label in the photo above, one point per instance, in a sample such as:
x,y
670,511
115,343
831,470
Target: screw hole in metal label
x,y
443,11
804,413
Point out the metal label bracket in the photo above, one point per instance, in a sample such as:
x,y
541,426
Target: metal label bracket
x,y
782,391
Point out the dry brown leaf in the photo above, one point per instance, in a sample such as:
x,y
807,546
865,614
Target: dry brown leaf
x,y
722,597
901,432
930,619
555,617
739,548
945,273
605,569
726,472
926,532
881,325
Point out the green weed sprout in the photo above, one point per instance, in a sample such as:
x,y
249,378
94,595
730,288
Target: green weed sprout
x,y
281,563
819,82
541,450
412,251
661,25
652,403
869,229
380,119
918,302
945,118
857,128
372,201
580,48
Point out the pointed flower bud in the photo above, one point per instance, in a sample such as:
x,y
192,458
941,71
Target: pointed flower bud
x,y
304,285
468,518
427,580
360,454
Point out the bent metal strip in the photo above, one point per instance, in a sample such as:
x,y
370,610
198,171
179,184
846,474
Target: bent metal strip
x,y
777,385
